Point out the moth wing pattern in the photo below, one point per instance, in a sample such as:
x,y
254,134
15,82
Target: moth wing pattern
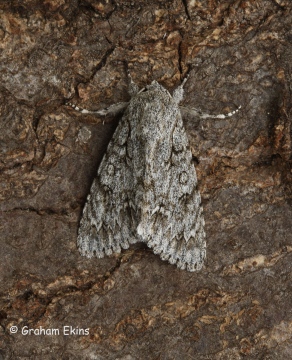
x,y
146,187
109,218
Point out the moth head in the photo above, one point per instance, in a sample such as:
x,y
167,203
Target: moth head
x,y
156,86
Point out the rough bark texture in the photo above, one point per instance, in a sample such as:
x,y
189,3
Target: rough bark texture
x,y
135,305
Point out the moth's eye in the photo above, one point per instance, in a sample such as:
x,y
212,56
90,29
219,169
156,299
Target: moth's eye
x,y
183,178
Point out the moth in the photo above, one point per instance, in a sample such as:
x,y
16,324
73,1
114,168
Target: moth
x,y
146,188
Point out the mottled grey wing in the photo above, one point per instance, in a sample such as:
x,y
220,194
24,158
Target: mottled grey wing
x,y
171,220
109,219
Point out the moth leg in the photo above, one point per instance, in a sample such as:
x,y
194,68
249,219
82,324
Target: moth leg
x,y
178,96
203,115
111,110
